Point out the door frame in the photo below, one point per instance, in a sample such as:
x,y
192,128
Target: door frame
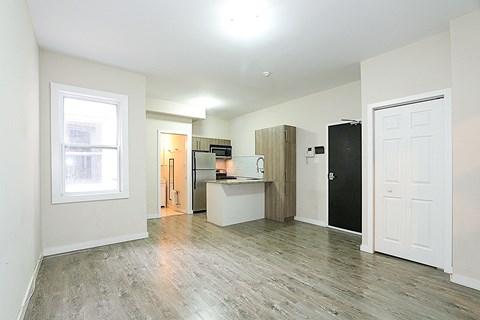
x,y
188,142
326,174
368,244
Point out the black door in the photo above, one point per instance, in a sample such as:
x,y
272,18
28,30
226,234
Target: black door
x,y
345,176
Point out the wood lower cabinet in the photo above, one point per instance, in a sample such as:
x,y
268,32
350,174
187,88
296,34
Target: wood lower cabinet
x,y
203,143
278,145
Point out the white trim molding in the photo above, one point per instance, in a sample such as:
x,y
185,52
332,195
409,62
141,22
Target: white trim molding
x,y
366,249
465,281
58,94
92,244
445,94
30,289
188,150
311,221
153,216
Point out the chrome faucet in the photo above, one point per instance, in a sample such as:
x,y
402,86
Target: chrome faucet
x,y
262,168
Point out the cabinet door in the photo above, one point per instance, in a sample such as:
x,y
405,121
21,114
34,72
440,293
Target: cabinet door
x,y
225,142
260,139
290,200
195,143
278,145
274,155
290,134
290,154
205,144
274,199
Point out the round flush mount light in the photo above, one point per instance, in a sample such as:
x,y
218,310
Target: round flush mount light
x,y
266,73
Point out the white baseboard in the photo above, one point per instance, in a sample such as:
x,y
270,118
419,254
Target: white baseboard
x,y
366,248
92,244
465,281
30,289
311,221
153,216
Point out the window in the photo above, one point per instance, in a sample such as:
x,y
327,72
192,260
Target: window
x,y
89,144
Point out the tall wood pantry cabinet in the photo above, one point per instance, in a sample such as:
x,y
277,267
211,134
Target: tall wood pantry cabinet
x,y
278,145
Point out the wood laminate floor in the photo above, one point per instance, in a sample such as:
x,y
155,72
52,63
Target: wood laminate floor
x,y
190,269
166,212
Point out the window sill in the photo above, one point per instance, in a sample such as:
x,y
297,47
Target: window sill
x,y
70,198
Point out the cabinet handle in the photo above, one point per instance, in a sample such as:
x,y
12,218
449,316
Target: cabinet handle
x,y
285,175
286,135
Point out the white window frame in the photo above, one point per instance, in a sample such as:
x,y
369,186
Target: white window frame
x,y
57,94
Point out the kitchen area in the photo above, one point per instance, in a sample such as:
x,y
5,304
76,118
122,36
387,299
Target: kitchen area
x,y
236,189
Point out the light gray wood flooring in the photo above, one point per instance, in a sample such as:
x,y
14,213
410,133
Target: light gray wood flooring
x,y
166,212
190,269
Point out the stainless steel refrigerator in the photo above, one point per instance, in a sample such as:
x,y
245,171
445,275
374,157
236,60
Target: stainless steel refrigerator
x,y
203,164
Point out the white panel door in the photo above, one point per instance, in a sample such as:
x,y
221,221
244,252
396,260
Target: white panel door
x,y
409,182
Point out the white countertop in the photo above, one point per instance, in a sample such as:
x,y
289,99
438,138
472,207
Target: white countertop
x,y
238,181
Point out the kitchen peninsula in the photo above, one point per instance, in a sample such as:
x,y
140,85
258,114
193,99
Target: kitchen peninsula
x,y
235,201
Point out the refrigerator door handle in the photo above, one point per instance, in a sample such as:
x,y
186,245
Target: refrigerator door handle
x,y
194,180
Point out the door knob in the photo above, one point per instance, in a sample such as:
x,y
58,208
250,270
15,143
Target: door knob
x,y
389,190
331,176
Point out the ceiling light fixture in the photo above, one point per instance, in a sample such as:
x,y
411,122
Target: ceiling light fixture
x,y
266,73
245,18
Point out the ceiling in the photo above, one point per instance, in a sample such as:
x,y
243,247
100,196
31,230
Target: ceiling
x,y
187,49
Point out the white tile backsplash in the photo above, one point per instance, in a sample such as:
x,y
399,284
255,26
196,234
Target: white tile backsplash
x,y
245,166
221,164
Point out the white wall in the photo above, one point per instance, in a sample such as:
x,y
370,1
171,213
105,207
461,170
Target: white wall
x,y
212,127
421,67
167,124
76,225
174,109
465,35
20,233
310,115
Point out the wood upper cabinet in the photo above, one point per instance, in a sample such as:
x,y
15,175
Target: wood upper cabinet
x,y
199,143
278,145
203,144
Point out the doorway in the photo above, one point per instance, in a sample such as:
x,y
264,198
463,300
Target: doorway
x,y
409,208
173,195
345,176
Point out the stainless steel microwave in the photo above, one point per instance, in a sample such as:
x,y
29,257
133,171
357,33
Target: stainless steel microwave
x,y
221,151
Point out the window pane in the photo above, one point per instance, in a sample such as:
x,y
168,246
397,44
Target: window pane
x,y
87,122
91,169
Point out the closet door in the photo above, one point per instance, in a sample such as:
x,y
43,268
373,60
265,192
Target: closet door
x,y
409,182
